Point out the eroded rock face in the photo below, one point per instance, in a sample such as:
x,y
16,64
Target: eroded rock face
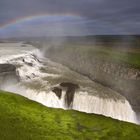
x,y
57,91
69,85
70,91
8,75
119,77
7,68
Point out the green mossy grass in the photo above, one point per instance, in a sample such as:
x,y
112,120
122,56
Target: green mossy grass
x,y
23,119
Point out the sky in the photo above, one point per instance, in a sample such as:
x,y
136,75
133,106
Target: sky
x,y
69,17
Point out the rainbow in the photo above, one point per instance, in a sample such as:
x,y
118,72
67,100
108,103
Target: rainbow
x,y
33,17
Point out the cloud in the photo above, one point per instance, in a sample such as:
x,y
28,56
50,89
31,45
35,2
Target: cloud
x,y
47,26
120,16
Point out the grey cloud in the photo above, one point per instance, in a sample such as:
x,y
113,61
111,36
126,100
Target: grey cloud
x,y
122,15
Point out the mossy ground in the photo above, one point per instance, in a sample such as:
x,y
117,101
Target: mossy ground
x,y
124,55
23,119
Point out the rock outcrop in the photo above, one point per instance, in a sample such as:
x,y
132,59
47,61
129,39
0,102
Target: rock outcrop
x,y
119,77
7,68
8,75
57,91
70,89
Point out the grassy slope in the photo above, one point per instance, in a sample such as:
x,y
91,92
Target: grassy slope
x,y
119,55
22,119
130,56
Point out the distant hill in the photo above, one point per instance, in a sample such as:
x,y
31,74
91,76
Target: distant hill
x,y
105,40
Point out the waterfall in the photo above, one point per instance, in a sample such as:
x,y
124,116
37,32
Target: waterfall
x,y
119,109
98,100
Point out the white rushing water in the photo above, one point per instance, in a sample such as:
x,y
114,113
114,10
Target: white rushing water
x,y
87,103
38,76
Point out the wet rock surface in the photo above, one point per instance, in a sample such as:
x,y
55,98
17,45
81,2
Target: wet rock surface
x,y
57,91
69,85
8,75
70,91
7,68
119,77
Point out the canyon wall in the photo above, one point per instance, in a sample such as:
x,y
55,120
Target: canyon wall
x,y
123,78
8,75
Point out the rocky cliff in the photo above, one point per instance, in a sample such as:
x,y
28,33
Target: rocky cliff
x,y
8,75
121,77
